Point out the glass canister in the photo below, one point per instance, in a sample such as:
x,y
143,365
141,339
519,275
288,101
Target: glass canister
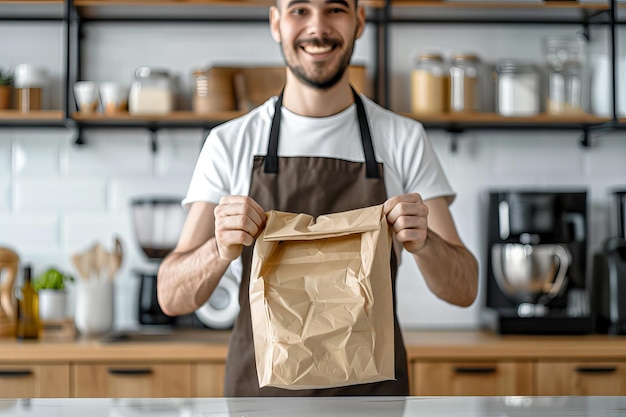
x,y
429,85
464,83
518,89
152,92
564,58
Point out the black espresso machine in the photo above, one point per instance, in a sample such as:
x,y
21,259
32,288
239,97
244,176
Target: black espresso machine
x,y
536,262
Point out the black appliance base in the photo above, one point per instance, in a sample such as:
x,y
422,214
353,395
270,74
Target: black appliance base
x,y
550,325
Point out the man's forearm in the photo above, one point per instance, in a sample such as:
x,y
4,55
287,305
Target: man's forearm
x,y
450,271
186,280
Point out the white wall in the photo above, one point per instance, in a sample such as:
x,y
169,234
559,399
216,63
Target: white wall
x,y
57,198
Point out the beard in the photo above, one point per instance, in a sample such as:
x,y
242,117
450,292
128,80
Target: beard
x,y
321,76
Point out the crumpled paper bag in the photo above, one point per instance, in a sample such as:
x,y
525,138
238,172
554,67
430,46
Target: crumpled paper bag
x,y
321,300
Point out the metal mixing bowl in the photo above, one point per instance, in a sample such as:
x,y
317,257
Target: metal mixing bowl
x,y
525,273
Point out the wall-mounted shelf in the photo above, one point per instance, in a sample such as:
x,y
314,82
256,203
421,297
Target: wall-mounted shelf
x,y
46,118
177,118
37,10
412,11
383,13
188,10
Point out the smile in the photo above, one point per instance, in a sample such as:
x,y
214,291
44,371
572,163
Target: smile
x,y
317,50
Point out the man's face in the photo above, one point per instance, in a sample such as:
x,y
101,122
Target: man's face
x,y
317,37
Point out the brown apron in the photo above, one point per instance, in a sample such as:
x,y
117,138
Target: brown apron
x,y
312,185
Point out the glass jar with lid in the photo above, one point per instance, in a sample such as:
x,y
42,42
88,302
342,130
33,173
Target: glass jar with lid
x,y
464,83
152,92
518,88
564,57
429,81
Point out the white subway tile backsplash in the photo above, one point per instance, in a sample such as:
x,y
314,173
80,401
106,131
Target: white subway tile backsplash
x,y
34,195
81,230
36,152
30,233
607,157
5,194
178,152
419,308
5,153
538,155
108,153
122,190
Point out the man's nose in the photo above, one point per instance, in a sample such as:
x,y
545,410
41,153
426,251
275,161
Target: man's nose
x,y
319,24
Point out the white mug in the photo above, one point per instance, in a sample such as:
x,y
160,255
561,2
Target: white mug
x,y
86,93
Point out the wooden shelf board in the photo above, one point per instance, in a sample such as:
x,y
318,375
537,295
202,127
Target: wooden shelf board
x,y
47,115
241,3
486,118
178,116
30,2
498,5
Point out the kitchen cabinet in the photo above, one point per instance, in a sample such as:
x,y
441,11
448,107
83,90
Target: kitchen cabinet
x,y
191,363
138,379
580,378
74,14
437,378
34,380
208,379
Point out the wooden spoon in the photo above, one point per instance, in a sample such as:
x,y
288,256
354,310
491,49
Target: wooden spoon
x,y
79,260
116,258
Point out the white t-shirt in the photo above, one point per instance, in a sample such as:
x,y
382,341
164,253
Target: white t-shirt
x,y
224,166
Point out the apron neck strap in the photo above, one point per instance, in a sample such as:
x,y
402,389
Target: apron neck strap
x,y
371,166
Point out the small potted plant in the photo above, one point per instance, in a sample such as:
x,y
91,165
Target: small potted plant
x,y
52,294
6,86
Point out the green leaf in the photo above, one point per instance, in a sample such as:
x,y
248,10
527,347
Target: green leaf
x,y
52,279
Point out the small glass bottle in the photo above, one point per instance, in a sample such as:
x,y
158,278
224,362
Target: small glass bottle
x,y
151,92
429,85
464,83
27,326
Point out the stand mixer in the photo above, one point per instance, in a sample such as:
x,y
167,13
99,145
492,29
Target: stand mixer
x,y
531,275
536,279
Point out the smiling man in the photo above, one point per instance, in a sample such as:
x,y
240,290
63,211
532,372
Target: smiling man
x,y
318,148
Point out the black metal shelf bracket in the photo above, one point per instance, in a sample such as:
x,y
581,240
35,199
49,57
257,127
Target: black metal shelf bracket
x,y
154,146
585,140
454,132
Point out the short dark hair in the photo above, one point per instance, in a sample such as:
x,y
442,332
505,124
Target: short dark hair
x,y
356,3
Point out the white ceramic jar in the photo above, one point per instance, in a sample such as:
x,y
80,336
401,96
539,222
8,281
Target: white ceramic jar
x,y
94,306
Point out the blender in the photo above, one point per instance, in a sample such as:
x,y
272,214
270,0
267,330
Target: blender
x,y
157,225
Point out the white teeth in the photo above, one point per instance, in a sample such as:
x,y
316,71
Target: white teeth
x,y
317,49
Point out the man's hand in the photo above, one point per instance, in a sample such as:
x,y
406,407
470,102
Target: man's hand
x,y
408,216
238,221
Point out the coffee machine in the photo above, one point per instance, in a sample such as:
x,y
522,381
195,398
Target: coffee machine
x,y
536,262
609,272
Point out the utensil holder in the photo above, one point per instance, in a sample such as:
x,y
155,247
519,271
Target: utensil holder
x,y
94,307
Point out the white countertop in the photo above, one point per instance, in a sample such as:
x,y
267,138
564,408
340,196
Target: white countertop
x,y
337,406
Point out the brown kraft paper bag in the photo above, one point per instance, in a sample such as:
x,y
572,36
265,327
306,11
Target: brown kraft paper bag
x,y
321,300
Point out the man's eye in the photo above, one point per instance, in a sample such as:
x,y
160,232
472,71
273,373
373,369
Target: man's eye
x,y
298,12
337,10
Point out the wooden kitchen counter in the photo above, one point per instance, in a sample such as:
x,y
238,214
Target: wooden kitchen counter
x,y
191,363
204,345
212,345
